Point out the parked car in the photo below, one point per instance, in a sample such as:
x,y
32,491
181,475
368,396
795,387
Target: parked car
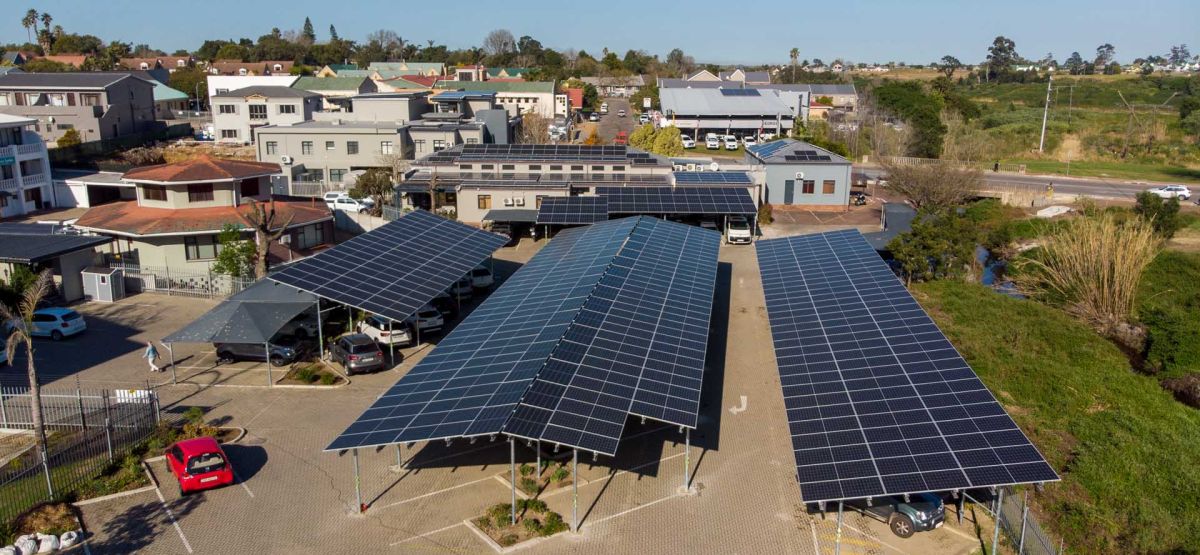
x,y
357,353
594,116
709,223
462,289
749,141
343,201
688,142
57,323
481,278
301,327
738,230
280,354
199,464
621,139
386,332
446,305
427,319
603,107
1172,191
731,142
764,137
621,113
712,141
644,119
922,512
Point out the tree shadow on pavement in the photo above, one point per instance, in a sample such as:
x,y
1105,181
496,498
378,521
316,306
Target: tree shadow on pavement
x,y
141,525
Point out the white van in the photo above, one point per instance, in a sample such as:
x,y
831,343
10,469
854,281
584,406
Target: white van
x,y
738,231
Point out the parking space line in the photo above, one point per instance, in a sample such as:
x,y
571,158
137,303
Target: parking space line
x,y
618,473
241,482
637,508
872,538
426,534
174,522
433,493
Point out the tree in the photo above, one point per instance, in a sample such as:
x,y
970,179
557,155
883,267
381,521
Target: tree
x,y
1161,214
68,139
333,36
1188,105
668,142
941,245
794,54
266,231
395,163
375,183
236,256
592,139
535,129
230,51
1179,54
21,322
1191,125
949,65
1002,54
499,42
643,137
936,186
30,23
649,90
190,81
309,34
1075,64
1104,54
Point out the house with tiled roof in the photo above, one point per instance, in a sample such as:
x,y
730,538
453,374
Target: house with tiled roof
x,y
409,68
73,60
180,208
234,67
169,63
336,91
507,73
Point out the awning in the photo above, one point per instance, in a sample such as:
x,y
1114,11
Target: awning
x,y
515,215
252,316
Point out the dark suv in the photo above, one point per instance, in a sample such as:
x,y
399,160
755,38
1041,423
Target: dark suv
x,y
922,512
357,353
280,354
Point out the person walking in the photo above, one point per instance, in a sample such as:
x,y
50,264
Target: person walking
x,y
151,355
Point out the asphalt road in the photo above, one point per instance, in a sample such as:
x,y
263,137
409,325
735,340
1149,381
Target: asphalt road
x,y
1089,187
610,123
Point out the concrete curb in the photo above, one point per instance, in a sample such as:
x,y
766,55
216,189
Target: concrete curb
x,y
500,549
149,475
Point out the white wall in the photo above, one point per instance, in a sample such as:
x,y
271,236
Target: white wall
x,y
235,82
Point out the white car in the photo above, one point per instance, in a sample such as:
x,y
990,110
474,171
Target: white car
x,y
712,141
738,231
688,142
481,278
644,119
594,116
57,323
764,137
731,142
1172,191
426,320
377,328
749,141
462,289
343,201
621,113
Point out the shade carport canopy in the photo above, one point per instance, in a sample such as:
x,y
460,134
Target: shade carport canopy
x,y
252,316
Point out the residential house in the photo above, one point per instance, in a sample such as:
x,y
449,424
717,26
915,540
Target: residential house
x,y
333,70
512,73
98,105
330,152
88,188
180,208
518,98
404,83
747,77
74,60
432,69
25,184
13,58
169,63
218,84
336,91
795,173
618,86
236,114
234,67
167,101
5,70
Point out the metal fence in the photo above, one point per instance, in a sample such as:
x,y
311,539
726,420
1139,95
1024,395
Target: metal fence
x,y
989,166
88,429
314,188
151,279
1020,527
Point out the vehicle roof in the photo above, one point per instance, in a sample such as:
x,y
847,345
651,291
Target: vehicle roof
x,y
358,338
54,310
199,445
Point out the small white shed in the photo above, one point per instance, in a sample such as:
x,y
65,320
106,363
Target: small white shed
x,y
103,284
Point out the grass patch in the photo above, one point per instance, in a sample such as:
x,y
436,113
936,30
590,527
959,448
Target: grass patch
x,y
1169,306
1126,450
1117,170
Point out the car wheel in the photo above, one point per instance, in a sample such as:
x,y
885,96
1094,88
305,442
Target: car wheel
x,y
182,492
277,361
224,357
901,525
56,335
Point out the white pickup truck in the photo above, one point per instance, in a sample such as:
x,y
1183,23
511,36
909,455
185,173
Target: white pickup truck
x,y
738,231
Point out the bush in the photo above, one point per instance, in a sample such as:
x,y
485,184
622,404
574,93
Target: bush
x,y
553,525
532,525
508,539
194,415
1162,214
526,469
328,379
500,514
144,156
940,246
764,214
534,505
69,139
306,374
560,474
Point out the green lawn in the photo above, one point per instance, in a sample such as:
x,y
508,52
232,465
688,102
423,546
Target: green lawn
x,y
1116,170
1126,450
1169,305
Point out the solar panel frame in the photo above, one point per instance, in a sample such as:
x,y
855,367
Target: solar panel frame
x,y
879,402
678,200
575,210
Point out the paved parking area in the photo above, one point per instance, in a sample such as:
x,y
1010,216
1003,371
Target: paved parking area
x,y
291,497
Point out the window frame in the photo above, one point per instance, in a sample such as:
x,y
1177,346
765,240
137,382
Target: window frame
x,y
808,186
200,192
159,191
484,202
828,187
192,247
351,148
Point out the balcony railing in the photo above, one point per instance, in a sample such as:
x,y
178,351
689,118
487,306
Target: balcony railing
x,y
8,184
34,179
29,149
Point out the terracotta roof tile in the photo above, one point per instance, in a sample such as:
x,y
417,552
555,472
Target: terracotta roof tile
x,y
202,168
128,218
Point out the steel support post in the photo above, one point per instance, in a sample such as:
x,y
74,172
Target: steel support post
x,y
267,351
391,345
574,488
687,457
357,482
999,514
512,470
399,455
320,334
1024,518
837,546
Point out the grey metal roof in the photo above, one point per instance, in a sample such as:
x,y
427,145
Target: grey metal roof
x,y
31,243
67,80
827,89
712,102
252,316
267,91
88,176
518,215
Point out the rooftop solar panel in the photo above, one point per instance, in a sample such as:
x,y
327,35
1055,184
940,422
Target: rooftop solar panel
x,y
879,402
740,92
709,178
678,200
767,149
397,268
573,210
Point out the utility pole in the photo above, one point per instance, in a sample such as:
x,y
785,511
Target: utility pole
x,y
1045,115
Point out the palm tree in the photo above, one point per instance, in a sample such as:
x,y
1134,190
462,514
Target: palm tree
x,y
22,335
30,22
795,54
46,19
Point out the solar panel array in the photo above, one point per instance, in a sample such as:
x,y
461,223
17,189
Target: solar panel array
x,y
767,149
636,291
678,200
543,153
878,400
397,268
740,92
710,178
807,156
573,210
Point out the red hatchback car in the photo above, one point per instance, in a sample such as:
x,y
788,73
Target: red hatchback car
x,y
199,464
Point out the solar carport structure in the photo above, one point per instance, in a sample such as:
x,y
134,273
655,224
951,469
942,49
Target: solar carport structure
x,y
879,402
606,322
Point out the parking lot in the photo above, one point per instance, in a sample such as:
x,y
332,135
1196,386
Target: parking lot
x,y
291,496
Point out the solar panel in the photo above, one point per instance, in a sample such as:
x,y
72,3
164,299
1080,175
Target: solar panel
x,y
573,210
767,149
678,200
740,92
543,153
879,402
395,269
709,178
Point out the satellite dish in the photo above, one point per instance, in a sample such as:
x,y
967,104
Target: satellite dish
x,y
714,167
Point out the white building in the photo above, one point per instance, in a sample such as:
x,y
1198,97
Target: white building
x,y
25,184
218,84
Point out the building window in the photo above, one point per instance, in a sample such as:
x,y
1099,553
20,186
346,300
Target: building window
x,y
258,111
65,126
618,169
31,194
5,99
89,99
310,236
202,192
576,168
508,167
485,202
154,192
419,144
554,168
472,141
272,147
226,108
250,188
330,146
487,166
3,201
336,175
439,145
229,134
351,147
535,167
808,186
203,247
287,108
465,166
597,168
306,147
827,187
385,147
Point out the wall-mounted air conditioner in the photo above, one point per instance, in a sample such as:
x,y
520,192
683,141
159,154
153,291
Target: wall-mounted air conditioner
x,y
508,202
519,201
285,159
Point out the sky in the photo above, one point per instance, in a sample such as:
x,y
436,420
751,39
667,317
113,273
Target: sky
x,y
712,31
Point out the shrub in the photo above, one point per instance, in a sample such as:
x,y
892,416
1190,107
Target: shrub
x,y
560,474
764,214
528,485
1162,214
534,505
501,514
526,469
940,246
532,525
328,379
306,374
194,415
508,539
553,525
69,139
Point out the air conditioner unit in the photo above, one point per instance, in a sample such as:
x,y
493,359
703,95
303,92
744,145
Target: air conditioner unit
x,y
678,167
799,175
508,202
285,159
691,167
520,202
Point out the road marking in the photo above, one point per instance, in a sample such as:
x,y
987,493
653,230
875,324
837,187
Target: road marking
x,y
813,528
240,482
432,493
426,534
881,542
174,522
637,508
851,541
739,408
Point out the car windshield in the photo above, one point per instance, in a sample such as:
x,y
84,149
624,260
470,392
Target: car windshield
x,y
72,315
362,348
205,463
377,322
738,224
